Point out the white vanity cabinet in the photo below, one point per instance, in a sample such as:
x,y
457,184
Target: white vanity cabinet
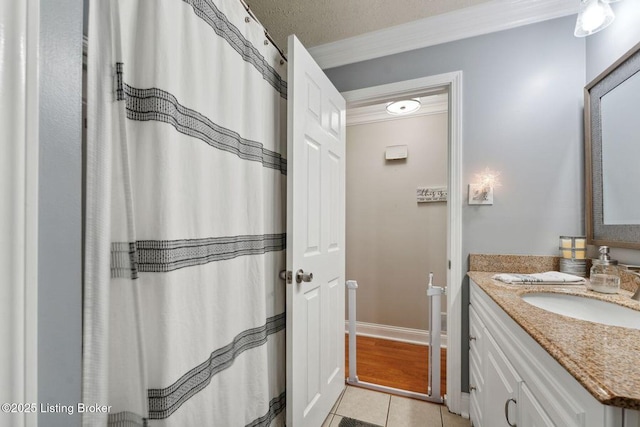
x,y
495,386
515,382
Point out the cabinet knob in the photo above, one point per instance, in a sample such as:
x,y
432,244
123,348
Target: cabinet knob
x,y
471,338
506,411
472,388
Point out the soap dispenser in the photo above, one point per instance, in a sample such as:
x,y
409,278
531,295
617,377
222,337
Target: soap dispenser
x,y
604,276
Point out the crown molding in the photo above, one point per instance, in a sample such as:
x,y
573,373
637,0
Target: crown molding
x,y
496,15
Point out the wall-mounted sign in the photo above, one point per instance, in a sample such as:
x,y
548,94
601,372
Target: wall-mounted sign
x,y
431,194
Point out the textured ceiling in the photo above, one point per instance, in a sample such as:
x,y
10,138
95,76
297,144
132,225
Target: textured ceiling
x,y
317,22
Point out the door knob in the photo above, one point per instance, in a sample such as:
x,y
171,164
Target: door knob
x,y
301,276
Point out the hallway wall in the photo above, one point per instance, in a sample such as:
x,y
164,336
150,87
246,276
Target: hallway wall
x,y
393,241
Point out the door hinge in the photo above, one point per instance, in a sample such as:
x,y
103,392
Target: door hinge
x,y
449,264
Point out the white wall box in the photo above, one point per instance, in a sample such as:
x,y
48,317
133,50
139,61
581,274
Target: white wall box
x,y
514,381
396,152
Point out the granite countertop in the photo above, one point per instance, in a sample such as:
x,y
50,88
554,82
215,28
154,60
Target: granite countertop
x,y
604,359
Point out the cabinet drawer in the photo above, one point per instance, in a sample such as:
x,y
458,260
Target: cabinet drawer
x,y
475,395
476,336
475,372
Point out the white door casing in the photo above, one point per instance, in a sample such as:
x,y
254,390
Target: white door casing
x,y
315,240
455,399
20,31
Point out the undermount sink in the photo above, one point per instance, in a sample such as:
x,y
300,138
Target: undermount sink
x,y
583,308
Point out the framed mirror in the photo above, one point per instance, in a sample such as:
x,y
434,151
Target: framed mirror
x,y
612,154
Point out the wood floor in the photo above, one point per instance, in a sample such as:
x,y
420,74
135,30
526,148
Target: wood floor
x,y
394,364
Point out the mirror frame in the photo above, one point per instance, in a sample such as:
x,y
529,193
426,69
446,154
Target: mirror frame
x,y
620,236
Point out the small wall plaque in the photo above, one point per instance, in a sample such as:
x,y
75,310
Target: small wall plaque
x,y
431,194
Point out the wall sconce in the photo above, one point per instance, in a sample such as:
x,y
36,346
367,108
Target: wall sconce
x,y
594,15
481,191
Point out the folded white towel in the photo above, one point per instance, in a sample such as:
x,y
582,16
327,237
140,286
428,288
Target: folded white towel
x,y
547,278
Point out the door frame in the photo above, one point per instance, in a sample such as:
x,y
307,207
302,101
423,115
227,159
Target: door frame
x,y
412,88
19,132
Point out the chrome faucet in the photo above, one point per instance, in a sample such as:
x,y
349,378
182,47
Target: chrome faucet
x,y
636,295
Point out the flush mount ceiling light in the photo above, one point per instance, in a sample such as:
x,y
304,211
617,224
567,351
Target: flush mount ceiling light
x,y
406,106
594,16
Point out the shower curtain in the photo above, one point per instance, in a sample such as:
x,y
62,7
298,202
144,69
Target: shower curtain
x,y
185,216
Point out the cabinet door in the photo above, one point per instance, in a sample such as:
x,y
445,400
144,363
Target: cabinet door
x,y
631,418
501,384
476,395
476,356
530,412
476,336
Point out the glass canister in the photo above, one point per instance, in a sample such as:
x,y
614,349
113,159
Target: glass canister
x,y
604,276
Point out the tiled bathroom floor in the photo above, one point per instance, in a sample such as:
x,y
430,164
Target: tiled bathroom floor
x,y
390,411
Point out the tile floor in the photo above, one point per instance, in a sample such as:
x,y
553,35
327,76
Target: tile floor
x,y
390,411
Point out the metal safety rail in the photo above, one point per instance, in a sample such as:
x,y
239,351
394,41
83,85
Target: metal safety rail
x,y
433,394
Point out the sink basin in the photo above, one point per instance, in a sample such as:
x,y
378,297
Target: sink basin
x,y
582,308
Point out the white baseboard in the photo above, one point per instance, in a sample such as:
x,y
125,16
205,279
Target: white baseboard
x,y
394,333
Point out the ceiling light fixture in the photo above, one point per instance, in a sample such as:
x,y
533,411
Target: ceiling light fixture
x,y
405,106
594,15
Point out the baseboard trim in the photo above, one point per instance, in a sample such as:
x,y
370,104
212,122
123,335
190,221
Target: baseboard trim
x,y
394,333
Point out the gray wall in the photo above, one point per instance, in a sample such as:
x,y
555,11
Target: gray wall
x,y
603,49
522,116
393,241
59,218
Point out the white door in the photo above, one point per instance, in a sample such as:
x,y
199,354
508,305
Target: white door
x,y
315,241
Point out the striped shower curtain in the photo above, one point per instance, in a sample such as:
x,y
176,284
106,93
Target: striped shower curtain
x,y
185,216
